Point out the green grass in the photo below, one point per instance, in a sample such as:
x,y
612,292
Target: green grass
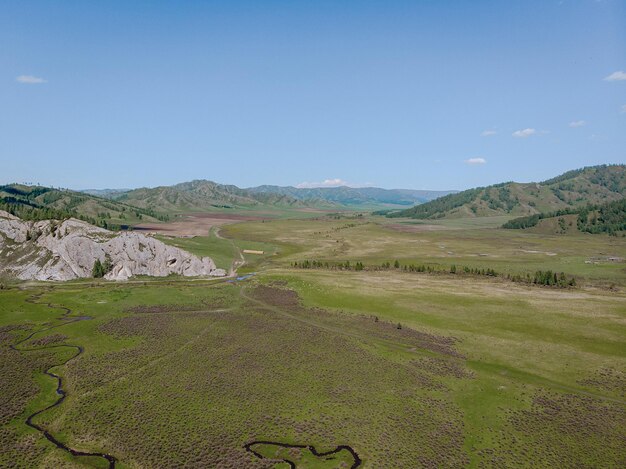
x,y
473,243
482,372
219,249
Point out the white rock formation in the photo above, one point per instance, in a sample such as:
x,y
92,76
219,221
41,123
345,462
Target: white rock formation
x,y
53,250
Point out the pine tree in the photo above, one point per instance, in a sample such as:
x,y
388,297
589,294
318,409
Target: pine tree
x,y
98,269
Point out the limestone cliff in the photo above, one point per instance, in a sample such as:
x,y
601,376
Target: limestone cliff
x,y
65,250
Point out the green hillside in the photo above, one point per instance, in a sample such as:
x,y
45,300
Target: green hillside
x,y
202,195
40,203
573,189
605,218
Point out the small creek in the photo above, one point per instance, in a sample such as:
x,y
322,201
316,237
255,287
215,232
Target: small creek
x,y
62,393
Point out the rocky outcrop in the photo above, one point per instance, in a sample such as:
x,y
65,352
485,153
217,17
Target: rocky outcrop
x,y
54,250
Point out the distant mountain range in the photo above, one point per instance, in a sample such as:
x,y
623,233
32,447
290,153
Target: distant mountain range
x,y
353,196
116,207
201,195
105,193
113,208
578,188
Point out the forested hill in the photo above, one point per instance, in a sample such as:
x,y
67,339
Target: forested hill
x,y
607,218
574,189
43,203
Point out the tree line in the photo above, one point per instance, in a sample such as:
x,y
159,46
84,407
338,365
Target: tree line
x,y
540,277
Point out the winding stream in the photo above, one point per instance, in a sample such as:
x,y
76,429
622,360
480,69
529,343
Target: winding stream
x,y
62,393
292,465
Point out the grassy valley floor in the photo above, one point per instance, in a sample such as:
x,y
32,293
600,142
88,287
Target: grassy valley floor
x,y
401,369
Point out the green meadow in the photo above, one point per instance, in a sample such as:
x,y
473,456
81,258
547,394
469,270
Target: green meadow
x,y
407,369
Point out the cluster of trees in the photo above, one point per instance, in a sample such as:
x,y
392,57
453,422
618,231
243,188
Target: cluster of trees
x,y
475,271
499,197
100,269
547,278
553,279
306,264
529,221
606,218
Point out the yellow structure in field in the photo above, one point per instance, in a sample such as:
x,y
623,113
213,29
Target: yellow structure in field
x,y
252,251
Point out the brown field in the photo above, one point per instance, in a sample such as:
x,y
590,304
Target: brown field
x,y
415,228
195,224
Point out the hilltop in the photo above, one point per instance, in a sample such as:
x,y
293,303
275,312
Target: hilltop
x,y
201,195
573,189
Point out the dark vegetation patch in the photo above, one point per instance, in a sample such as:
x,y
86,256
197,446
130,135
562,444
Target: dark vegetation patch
x,y
7,333
443,367
607,379
136,326
48,340
562,430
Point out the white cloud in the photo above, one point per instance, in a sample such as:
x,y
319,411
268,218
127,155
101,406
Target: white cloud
x,y
574,124
476,161
30,80
336,182
524,133
616,76
488,133
623,107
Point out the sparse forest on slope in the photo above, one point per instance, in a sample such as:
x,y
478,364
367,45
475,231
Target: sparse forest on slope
x,y
573,189
605,218
42,203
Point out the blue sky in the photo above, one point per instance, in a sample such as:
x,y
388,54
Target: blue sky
x,y
416,94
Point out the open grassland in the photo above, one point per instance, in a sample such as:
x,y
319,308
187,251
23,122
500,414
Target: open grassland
x,y
186,373
322,368
475,243
191,374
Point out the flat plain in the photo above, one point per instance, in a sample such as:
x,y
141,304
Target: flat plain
x,y
406,369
